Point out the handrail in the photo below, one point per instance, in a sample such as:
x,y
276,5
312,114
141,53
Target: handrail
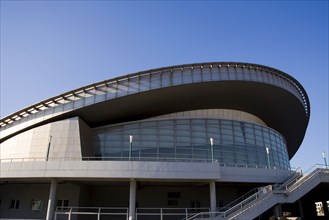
x,y
123,211
291,184
269,189
292,178
132,159
305,179
238,200
98,211
263,192
256,190
259,194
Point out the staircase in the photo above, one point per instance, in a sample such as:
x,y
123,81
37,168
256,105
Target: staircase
x,y
294,187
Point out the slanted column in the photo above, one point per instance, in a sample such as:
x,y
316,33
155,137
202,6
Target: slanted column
x,y
51,200
212,189
132,200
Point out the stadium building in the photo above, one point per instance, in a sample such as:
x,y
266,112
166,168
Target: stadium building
x,y
206,140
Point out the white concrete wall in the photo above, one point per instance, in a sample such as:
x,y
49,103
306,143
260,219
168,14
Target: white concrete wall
x,y
85,139
65,141
138,170
109,169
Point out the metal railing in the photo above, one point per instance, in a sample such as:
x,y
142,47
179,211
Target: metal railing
x,y
256,197
167,213
291,179
238,204
293,182
310,174
97,212
138,159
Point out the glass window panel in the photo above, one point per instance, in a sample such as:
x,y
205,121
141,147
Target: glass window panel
x,y
262,158
166,131
265,77
144,83
89,97
246,74
166,144
148,144
253,75
199,153
115,143
198,140
122,88
182,139
167,150
187,76
252,157
250,140
111,91
206,75
166,79
133,85
215,73
165,135
148,131
258,132
199,134
259,74
177,77
182,127
155,80
227,154
231,73
239,73
198,121
198,129
166,123
79,102
226,122
227,139
213,129
241,158
212,122
182,121
196,73
223,73
183,150
227,130
149,138
239,140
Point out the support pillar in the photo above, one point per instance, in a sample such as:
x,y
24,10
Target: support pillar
x,y
301,211
51,200
277,211
212,189
132,200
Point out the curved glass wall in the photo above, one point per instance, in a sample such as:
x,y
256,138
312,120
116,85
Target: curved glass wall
x,y
236,143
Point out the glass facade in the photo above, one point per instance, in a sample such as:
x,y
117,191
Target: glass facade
x,y
236,143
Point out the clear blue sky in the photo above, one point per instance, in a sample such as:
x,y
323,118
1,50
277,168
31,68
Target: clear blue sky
x,y
51,47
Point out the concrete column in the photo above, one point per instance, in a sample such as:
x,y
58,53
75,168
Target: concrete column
x,y
300,206
51,200
132,200
212,189
277,211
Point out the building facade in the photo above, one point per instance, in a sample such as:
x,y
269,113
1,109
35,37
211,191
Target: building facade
x,y
179,139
